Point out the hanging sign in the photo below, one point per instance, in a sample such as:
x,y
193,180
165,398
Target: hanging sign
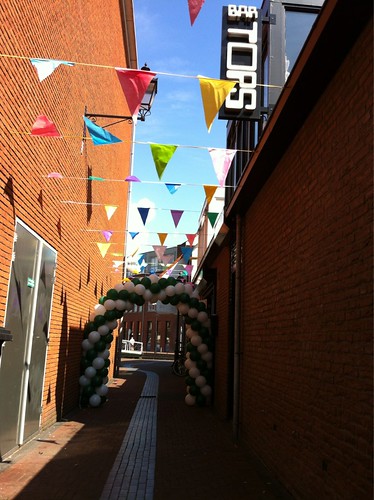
x,y
241,60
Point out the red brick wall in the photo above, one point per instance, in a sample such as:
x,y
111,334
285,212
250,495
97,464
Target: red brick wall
x,y
306,379
86,33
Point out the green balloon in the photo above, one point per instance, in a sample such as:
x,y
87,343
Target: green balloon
x,y
91,354
201,306
100,346
171,281
174,300
195,355
155,288
146,282
188,320
123,294
163,283
200,400
99,320
189,381
139,301
107,363
103,372
102,299
108,338
190,347
103,399
85,363
194,390
136,281
112,294
166,300
184,298
133,297
88,390
195,325
89,327
201,364
97,380
110,315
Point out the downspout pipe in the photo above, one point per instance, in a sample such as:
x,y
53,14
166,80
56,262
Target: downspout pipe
x,y
237,353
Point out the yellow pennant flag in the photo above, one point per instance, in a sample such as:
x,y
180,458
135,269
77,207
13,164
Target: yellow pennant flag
x,y
110,210
162,237
209,192
103,247
213,93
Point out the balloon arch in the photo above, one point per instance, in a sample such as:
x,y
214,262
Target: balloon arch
x,y
121,299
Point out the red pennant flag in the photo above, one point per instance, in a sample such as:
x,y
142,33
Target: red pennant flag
x,y
194,7
44,127
134,83
191,238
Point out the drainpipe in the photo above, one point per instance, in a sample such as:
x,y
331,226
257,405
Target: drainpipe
x,y
236,382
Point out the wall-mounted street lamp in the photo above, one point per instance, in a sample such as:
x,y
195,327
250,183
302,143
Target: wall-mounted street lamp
x,y
144,109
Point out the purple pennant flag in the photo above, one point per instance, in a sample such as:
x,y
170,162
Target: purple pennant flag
x,y
107,235
143,213
176,214
132,178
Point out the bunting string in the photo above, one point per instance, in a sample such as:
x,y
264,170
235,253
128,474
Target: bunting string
x,y
94,65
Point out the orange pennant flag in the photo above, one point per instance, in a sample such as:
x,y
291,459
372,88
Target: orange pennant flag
x,y
162,237
103,247
209,192
213,93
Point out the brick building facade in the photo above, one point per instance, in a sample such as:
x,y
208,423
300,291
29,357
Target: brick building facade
x,y
97,38
292,283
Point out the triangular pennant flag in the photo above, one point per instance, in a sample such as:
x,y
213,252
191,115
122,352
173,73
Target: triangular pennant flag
x,y
44,127
162,154
166,258
222,159
212,216
107,235
159,250
176,214
110,211
194,7
188,268
103,247
173,188
55,175
209,192
93,178
134,83
187,252
132,234
141,258
117,263
99,135
162,237
213,93
132,178
191,238
143,213
46,67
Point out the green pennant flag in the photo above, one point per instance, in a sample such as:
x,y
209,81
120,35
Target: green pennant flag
x,y
212,216
162,154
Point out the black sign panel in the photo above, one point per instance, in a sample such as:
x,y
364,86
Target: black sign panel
x,y
241,61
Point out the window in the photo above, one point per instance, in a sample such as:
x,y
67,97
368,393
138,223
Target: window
x,y
298,26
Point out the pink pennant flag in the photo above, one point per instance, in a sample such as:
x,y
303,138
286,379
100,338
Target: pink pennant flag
x,y
222,159
191,238
166,259
159,250
134,83
107,235
176,214
132,178
44,127
189,268
110,211
194,7
55,175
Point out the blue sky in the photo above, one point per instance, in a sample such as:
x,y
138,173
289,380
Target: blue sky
x,y
168,43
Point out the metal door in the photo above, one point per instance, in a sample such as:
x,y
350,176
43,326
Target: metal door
x,y
22,362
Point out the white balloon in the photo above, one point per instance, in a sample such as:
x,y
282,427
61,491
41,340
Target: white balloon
x,y
86,345
112,325
99,310
193,312
194,372
170,290
109,304
94,337
200,381
83,380
188,289
103,354
119,287
154,278
98,363
189,363
90,372
120,305
179,288
147,295
196,340
189,333
202,316
208,356
94,400
162,295
203,348
206,390
102,390
129,305
103,330
195,294
190,400
129,286
139,289
183,308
